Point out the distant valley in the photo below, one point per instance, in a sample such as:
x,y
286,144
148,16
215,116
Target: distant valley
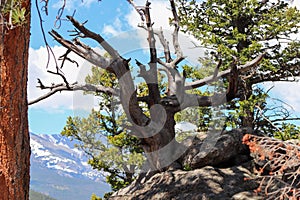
x,y
60,170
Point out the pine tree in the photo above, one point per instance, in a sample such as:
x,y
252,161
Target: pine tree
x,y
238,31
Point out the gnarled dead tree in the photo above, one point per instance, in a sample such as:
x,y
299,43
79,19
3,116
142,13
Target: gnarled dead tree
x,y
156,131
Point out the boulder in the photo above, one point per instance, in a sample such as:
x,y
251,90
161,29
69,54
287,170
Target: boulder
x,y
205,183
217,149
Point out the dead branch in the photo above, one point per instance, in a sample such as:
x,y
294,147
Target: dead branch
x,y
224,74
260,111
150,75
48,48
59,73
60,12
72,87
153,84
45,6
65,57
83,51
167,68
165,45
97,37
178,51
139,9
175,80
117,65
159,33
278,166
151,38
181,100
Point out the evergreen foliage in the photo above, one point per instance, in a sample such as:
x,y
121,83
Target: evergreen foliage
x,y
104,137
238,31
13,12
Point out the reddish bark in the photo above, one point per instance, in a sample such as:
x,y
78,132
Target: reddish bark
x,y
14,136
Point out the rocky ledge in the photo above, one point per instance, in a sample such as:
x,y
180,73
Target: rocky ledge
x,y
224,171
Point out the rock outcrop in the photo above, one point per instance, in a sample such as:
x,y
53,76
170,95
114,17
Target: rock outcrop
x,y
218,169
205,183
221,149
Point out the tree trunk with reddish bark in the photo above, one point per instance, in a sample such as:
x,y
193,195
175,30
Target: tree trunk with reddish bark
x,y
14,135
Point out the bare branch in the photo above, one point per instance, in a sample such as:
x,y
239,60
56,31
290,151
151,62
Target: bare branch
x,y
279,160
175,80
73,87
60,12
118,65
169,67
65,57
181,100
217,70
151,75
48,48
143,71
224,74
267,119
83,51
61,75
89,34
45,6
139,9
178,51
151,38
190,100
165,44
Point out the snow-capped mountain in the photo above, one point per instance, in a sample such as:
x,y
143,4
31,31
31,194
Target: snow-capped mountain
x,y
57,166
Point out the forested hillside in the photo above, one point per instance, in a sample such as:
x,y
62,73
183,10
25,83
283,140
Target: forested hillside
x,y
33,195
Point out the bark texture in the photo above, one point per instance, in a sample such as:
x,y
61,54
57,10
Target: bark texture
x,y
14,136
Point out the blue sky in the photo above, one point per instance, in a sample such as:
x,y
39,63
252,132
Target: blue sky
x,y
98,14
116,21
106,17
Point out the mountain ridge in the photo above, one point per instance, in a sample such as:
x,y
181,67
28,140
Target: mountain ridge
x,y
60,170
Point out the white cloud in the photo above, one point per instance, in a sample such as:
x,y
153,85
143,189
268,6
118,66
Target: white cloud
x,y
87,3
71,5
59,101
110,30
296,3
113,29
286,92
